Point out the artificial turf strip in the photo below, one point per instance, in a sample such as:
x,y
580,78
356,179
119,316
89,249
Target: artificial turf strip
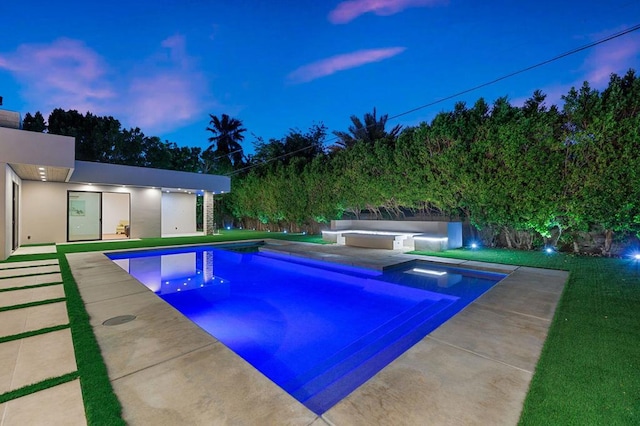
x,y
29,266
101,404
224,236
30,304
25,287
588,370
45,384
30,257
27,275
33,333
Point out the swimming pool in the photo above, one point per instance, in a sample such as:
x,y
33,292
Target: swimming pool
x,y
316,329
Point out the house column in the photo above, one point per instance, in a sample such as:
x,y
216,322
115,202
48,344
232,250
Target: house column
x,y
209,224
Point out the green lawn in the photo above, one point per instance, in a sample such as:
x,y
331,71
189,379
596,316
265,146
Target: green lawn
x,y
233,235
588,372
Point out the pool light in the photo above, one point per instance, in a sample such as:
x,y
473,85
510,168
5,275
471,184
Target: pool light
x,y
429,272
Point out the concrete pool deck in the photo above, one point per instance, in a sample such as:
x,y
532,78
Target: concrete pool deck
x,y
474,369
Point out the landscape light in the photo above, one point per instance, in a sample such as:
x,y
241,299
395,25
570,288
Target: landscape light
x,y
228,228
284,232
474,245
636,256
549,250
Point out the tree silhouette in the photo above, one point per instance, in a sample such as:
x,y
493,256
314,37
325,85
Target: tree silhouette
x,y
34,123
372,130
225,145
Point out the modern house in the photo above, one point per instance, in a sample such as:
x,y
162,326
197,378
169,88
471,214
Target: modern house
x,y
47,196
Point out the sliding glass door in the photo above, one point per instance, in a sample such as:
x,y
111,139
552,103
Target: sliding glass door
x,y
15,217
84,210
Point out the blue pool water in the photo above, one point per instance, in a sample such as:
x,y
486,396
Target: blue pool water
x,y
318,330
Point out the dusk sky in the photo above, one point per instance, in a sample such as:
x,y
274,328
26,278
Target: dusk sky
x,y
165,65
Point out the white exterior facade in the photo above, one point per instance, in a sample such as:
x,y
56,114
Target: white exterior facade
x,y
152,202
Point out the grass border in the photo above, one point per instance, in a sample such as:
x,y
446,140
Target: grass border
x,y
32,333
27,275
100,402
15,268
25,287
30,257
30,304
36,387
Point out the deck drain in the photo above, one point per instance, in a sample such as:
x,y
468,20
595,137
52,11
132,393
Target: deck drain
x,y
120,319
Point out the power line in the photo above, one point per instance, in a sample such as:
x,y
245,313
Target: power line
x,y
464,92
226,155
523,70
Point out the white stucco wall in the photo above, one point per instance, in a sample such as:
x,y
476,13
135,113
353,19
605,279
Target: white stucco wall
x,y
44,210
145,213
178,213
5,243
7,177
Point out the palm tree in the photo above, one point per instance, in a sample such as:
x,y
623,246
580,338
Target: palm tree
x,y
225,142
372,130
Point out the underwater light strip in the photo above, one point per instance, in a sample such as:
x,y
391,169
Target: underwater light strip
x,y
429,272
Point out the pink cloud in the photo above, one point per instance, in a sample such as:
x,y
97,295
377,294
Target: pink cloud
x,y
343,62
162,93
163,101
615,56
349,10
65,73
168,91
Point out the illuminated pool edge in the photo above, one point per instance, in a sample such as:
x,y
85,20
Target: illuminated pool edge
x,y
344,384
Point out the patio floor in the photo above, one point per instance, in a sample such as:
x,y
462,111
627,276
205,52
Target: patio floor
x,y
474,369
32,359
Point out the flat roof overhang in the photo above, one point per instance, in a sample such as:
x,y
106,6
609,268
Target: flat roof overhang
x,y
115,174
37,156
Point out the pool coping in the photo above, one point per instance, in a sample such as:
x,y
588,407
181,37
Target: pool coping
x,y
474,369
